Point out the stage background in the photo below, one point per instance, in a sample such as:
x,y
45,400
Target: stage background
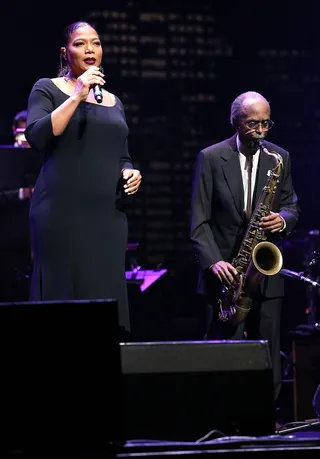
x,y
177,67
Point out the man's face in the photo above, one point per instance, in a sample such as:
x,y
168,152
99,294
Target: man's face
x,y
254,122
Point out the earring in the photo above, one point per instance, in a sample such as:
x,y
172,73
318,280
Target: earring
x,y
61,64
64,68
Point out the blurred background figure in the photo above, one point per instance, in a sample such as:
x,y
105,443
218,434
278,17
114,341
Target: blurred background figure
x,y
11,196
18,128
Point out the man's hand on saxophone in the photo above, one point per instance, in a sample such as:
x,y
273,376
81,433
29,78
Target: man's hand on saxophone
x,y
272,223
226,273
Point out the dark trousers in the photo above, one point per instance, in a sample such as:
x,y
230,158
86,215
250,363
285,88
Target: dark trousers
x,y
262,323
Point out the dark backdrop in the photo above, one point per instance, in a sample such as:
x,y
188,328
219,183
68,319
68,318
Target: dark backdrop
x,y
177,67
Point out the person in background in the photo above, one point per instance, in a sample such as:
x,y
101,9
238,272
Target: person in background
x,y
18,128
12,196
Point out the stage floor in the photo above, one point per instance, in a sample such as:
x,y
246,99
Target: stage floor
x,y
293,445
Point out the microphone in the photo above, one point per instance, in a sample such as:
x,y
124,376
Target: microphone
x,y
97,92
295,275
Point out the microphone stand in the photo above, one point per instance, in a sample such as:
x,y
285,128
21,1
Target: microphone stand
x,y
299,276
298,428
312,296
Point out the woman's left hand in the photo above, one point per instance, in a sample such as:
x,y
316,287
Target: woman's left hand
x,y
133,179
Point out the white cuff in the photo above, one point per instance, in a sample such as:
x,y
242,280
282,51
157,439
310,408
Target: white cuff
x,y
284,224
21,194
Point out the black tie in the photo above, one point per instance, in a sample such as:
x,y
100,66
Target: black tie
x,y
249,198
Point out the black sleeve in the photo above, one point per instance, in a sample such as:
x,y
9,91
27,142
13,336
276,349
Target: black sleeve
x,y
206,249
289,208
125,158
39,132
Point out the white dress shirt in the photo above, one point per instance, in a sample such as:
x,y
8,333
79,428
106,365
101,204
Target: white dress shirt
x,y
244,172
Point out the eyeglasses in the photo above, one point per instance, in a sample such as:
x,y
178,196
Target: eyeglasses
x,y
265,125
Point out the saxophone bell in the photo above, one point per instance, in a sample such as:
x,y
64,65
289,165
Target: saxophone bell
x,y
267,258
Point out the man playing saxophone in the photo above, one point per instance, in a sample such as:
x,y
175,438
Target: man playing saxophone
x,y
229,179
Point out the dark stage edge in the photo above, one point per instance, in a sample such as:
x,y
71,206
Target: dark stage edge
x,y
300,444
275,446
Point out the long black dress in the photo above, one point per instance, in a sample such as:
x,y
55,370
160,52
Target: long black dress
x,y
78,224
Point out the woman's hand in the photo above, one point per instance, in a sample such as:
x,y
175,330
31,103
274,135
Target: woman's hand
x,y
86,81
133,179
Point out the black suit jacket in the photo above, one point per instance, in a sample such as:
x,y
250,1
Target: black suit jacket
x,y
218,221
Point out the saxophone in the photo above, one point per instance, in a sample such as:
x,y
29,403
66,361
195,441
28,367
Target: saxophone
x,y
256,258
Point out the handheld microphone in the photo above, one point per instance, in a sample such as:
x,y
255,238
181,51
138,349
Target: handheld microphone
x,y
97,92
295,275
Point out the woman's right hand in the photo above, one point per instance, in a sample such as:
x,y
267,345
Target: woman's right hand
x,y
86,81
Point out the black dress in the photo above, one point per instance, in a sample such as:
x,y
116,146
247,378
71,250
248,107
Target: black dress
x,y
77,219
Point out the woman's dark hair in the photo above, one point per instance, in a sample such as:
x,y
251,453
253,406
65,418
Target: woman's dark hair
x,y
67,32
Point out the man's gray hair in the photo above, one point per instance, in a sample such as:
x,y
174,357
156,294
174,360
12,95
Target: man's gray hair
x,y
237,105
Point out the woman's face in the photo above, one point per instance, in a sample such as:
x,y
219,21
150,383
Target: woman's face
x,y
83,50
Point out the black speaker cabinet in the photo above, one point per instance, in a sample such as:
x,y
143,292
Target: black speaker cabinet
x,y
60,380
183,390
306,374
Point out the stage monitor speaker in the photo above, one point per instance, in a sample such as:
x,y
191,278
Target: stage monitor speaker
x,y
180,391
60,379
306,374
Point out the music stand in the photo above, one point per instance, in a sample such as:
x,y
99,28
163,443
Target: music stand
x,y
19,167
